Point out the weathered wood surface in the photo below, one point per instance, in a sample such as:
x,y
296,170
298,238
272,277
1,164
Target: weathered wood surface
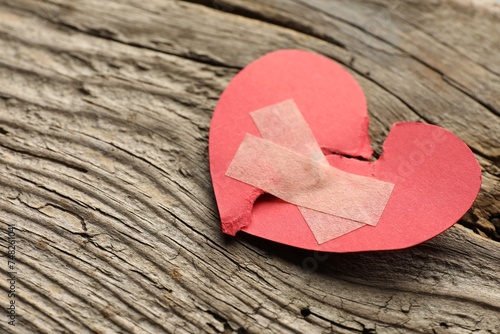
x,y
104,115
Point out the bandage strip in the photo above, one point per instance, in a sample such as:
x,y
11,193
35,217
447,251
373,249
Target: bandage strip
x,y
308,183
283,124
331,201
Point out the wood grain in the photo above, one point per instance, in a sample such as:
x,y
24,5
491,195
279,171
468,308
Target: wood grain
x,y
104,115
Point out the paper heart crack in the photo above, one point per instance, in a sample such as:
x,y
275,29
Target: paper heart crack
x,y
435,175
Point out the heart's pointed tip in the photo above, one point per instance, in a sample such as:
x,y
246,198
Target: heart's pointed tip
x,y
237,213
234,225
230,229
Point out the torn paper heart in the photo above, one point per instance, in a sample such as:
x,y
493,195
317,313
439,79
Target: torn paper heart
x,y
435,175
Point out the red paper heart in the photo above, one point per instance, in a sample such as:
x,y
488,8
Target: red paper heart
x,y
436,175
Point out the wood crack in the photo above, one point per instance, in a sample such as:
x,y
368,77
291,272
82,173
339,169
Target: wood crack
x,y
51,159
249,14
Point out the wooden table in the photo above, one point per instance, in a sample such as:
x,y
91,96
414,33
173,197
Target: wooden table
x,y
104,117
